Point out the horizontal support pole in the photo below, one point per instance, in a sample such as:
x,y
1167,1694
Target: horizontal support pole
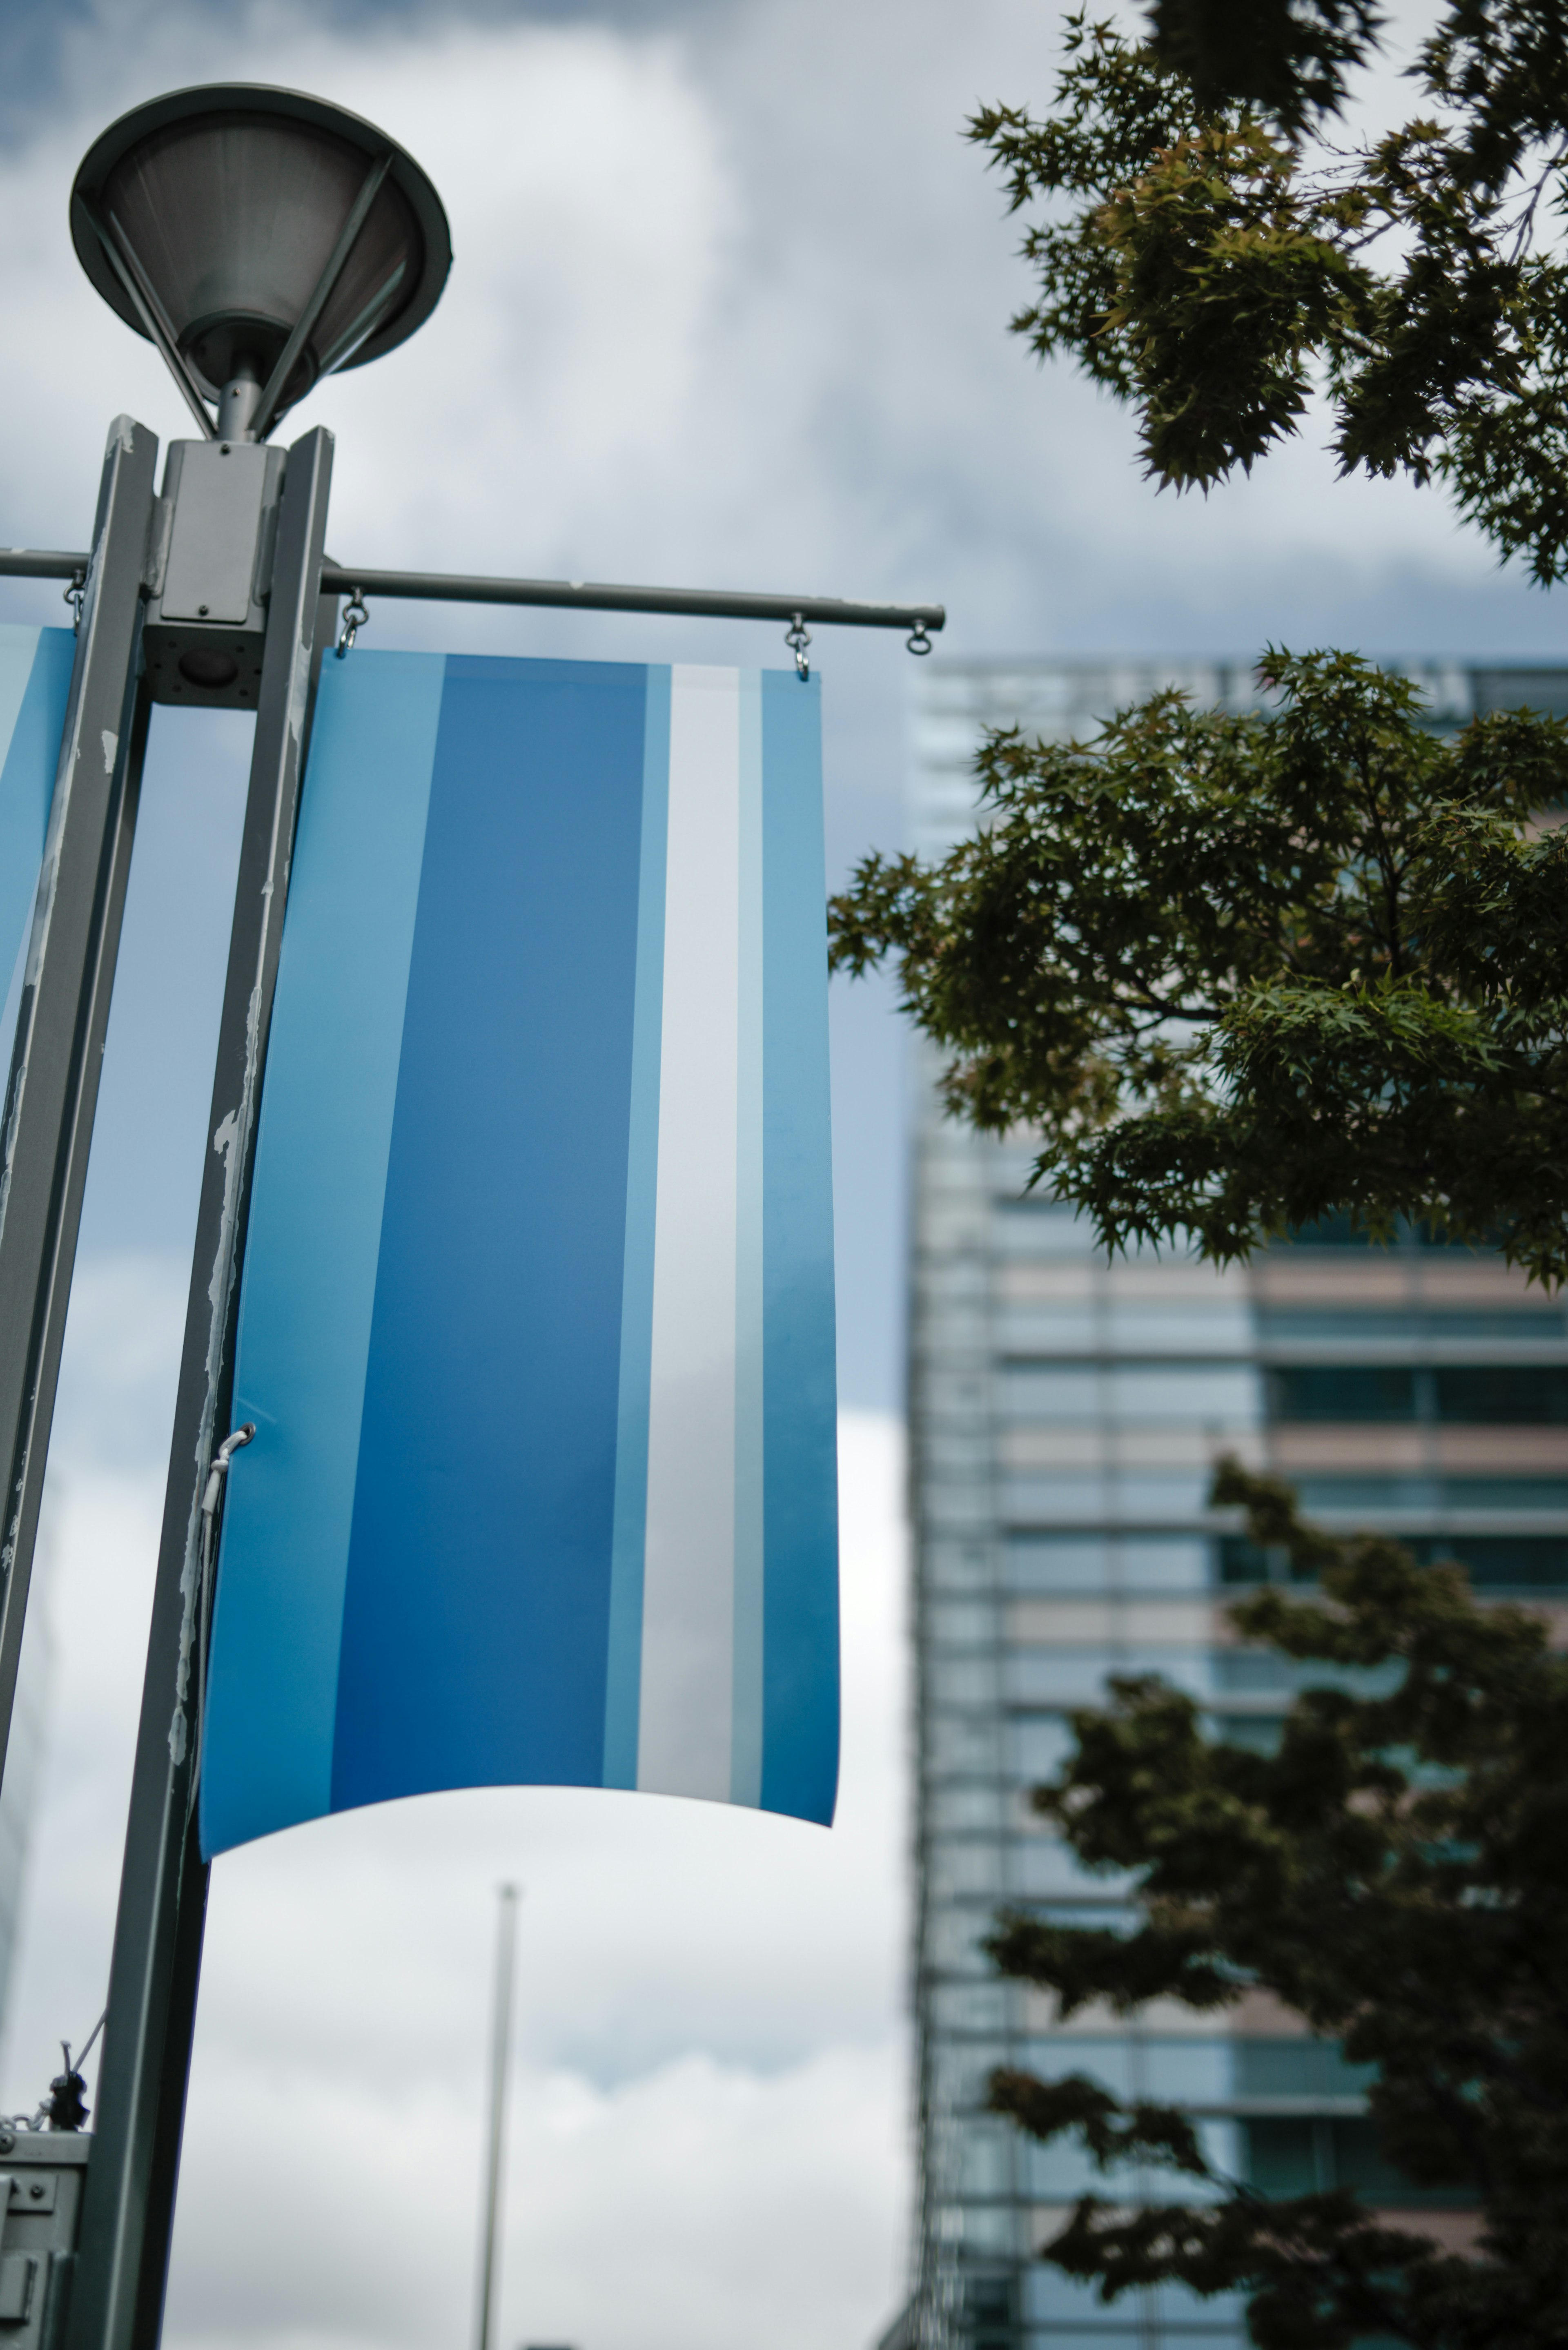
x,y
565,595
40,563
593,596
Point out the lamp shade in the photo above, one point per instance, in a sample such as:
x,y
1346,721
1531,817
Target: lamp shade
x,y
230,201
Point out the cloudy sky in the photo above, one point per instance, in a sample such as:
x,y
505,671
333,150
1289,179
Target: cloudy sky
x,y
728,307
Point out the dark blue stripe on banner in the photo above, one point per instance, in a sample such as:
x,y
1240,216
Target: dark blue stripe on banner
x,y
800,1607
476,1618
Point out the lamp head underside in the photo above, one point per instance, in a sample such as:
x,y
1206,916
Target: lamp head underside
x,y
239,227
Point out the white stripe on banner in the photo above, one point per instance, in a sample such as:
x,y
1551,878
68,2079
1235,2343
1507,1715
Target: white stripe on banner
x,y
688,1602
747,1710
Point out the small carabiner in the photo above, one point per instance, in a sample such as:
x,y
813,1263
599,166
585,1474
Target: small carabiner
x,y
798,635
355,617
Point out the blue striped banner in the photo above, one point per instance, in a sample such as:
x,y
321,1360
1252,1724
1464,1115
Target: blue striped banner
x,y
35,685
536,1318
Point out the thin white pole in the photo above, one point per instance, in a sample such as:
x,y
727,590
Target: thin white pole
x,y
500,2055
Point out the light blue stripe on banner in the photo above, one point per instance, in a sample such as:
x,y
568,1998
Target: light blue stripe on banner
x,y
36,666
800,1756
314,1227
625,1664
18,650
746,1697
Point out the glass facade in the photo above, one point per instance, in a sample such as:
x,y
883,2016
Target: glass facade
x,y
1065,1416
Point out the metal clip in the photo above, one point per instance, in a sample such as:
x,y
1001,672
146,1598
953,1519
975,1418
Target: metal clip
x,y
222,1460
220,1469
797,637
355,617
76,596
918,642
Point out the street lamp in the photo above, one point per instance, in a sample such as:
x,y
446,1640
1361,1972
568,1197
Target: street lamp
x,y
261,240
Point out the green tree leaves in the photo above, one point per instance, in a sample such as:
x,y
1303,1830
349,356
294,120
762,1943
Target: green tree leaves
x,y
1239,973
1288,60
1235,975
1398,1874
1210,257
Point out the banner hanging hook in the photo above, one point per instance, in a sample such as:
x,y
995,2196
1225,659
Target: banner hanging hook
x,y
355,617
798,635
917,641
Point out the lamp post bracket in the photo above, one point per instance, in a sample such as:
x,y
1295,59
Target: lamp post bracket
x,y
580,595
40,563
593,596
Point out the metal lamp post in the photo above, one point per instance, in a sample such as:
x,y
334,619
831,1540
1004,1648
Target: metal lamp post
x,y
495,2144
261,240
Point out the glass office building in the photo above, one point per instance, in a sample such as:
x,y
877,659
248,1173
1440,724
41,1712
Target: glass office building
x,y
1065,1416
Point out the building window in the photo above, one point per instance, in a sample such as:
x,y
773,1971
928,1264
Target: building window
x,y
1511,1561
1493,1562
1298,2156
1527,1394
1373,1324
1367,1391
1522,1395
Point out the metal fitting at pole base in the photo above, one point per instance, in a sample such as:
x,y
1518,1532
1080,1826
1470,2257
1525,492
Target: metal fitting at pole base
x,y
42,2173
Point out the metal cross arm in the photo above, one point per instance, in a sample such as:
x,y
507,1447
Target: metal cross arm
x,y
593,595
40,563
583,594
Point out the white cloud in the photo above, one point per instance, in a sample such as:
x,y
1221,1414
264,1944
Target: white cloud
x,y
697,2203
729,303
711,2103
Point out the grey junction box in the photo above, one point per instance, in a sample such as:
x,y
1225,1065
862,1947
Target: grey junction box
x,y
209,572
42,2173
